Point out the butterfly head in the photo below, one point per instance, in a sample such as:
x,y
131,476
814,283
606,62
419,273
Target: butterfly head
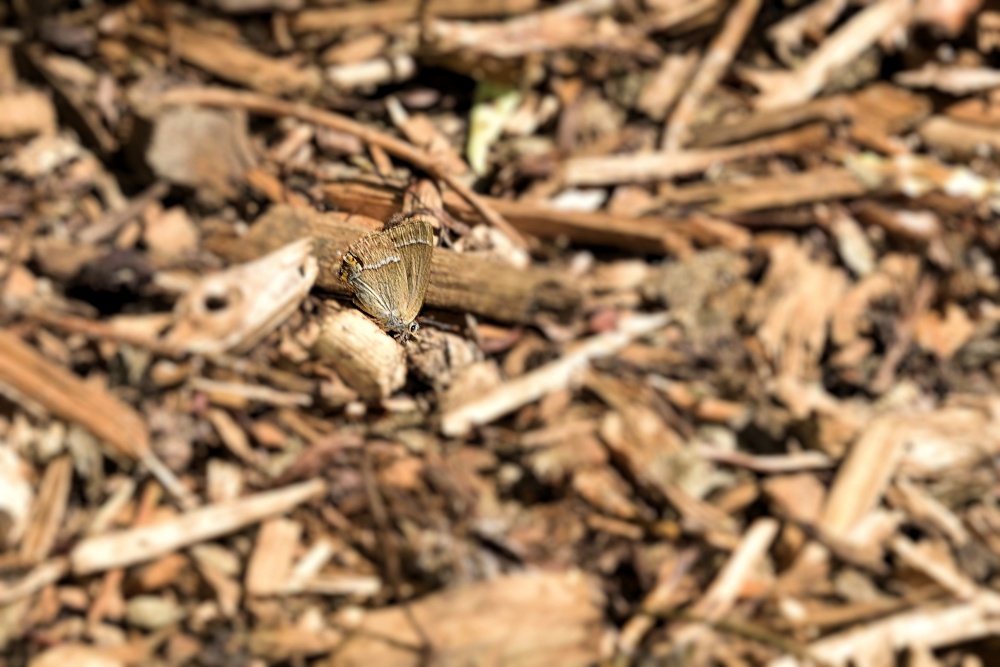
x,y
399,327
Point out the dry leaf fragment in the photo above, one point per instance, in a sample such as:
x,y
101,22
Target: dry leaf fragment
x,y
944,335
234,309
201,148
793,322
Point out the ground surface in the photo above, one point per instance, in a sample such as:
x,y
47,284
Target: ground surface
x,y
706,372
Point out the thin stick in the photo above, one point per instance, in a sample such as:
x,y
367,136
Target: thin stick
x,y
555,375
272,106
717,58
137,545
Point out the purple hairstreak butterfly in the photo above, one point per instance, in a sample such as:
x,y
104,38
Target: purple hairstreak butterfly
x,y
388,272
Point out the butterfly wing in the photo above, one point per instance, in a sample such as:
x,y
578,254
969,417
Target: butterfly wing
x,y
414,240
389,271
373,268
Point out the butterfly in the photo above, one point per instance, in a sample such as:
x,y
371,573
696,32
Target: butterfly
x,y
388,272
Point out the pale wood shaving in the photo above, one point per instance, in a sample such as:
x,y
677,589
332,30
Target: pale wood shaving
x,y
123,548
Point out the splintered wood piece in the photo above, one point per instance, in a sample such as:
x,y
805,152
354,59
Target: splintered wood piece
x,y
18,496
861,482
66,396
462,283
546,379
859,33
368,361
916,175
740,569
720,53
793,323
928,626
288,642
232,61
828,110
735,577
941,569
666,165
228,590
791,32
953,79
137,545
566,25
50,508
959,139
778,192
521,620
235,309
38,381
864,475
647,234
273,554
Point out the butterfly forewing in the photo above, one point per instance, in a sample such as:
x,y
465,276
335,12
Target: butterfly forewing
x,y
368,264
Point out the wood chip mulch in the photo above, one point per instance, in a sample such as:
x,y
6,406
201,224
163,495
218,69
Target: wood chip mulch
x,y
706,371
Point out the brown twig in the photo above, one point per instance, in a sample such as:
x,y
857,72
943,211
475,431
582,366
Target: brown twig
x,y
717,58
663,165
461,282
272,106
